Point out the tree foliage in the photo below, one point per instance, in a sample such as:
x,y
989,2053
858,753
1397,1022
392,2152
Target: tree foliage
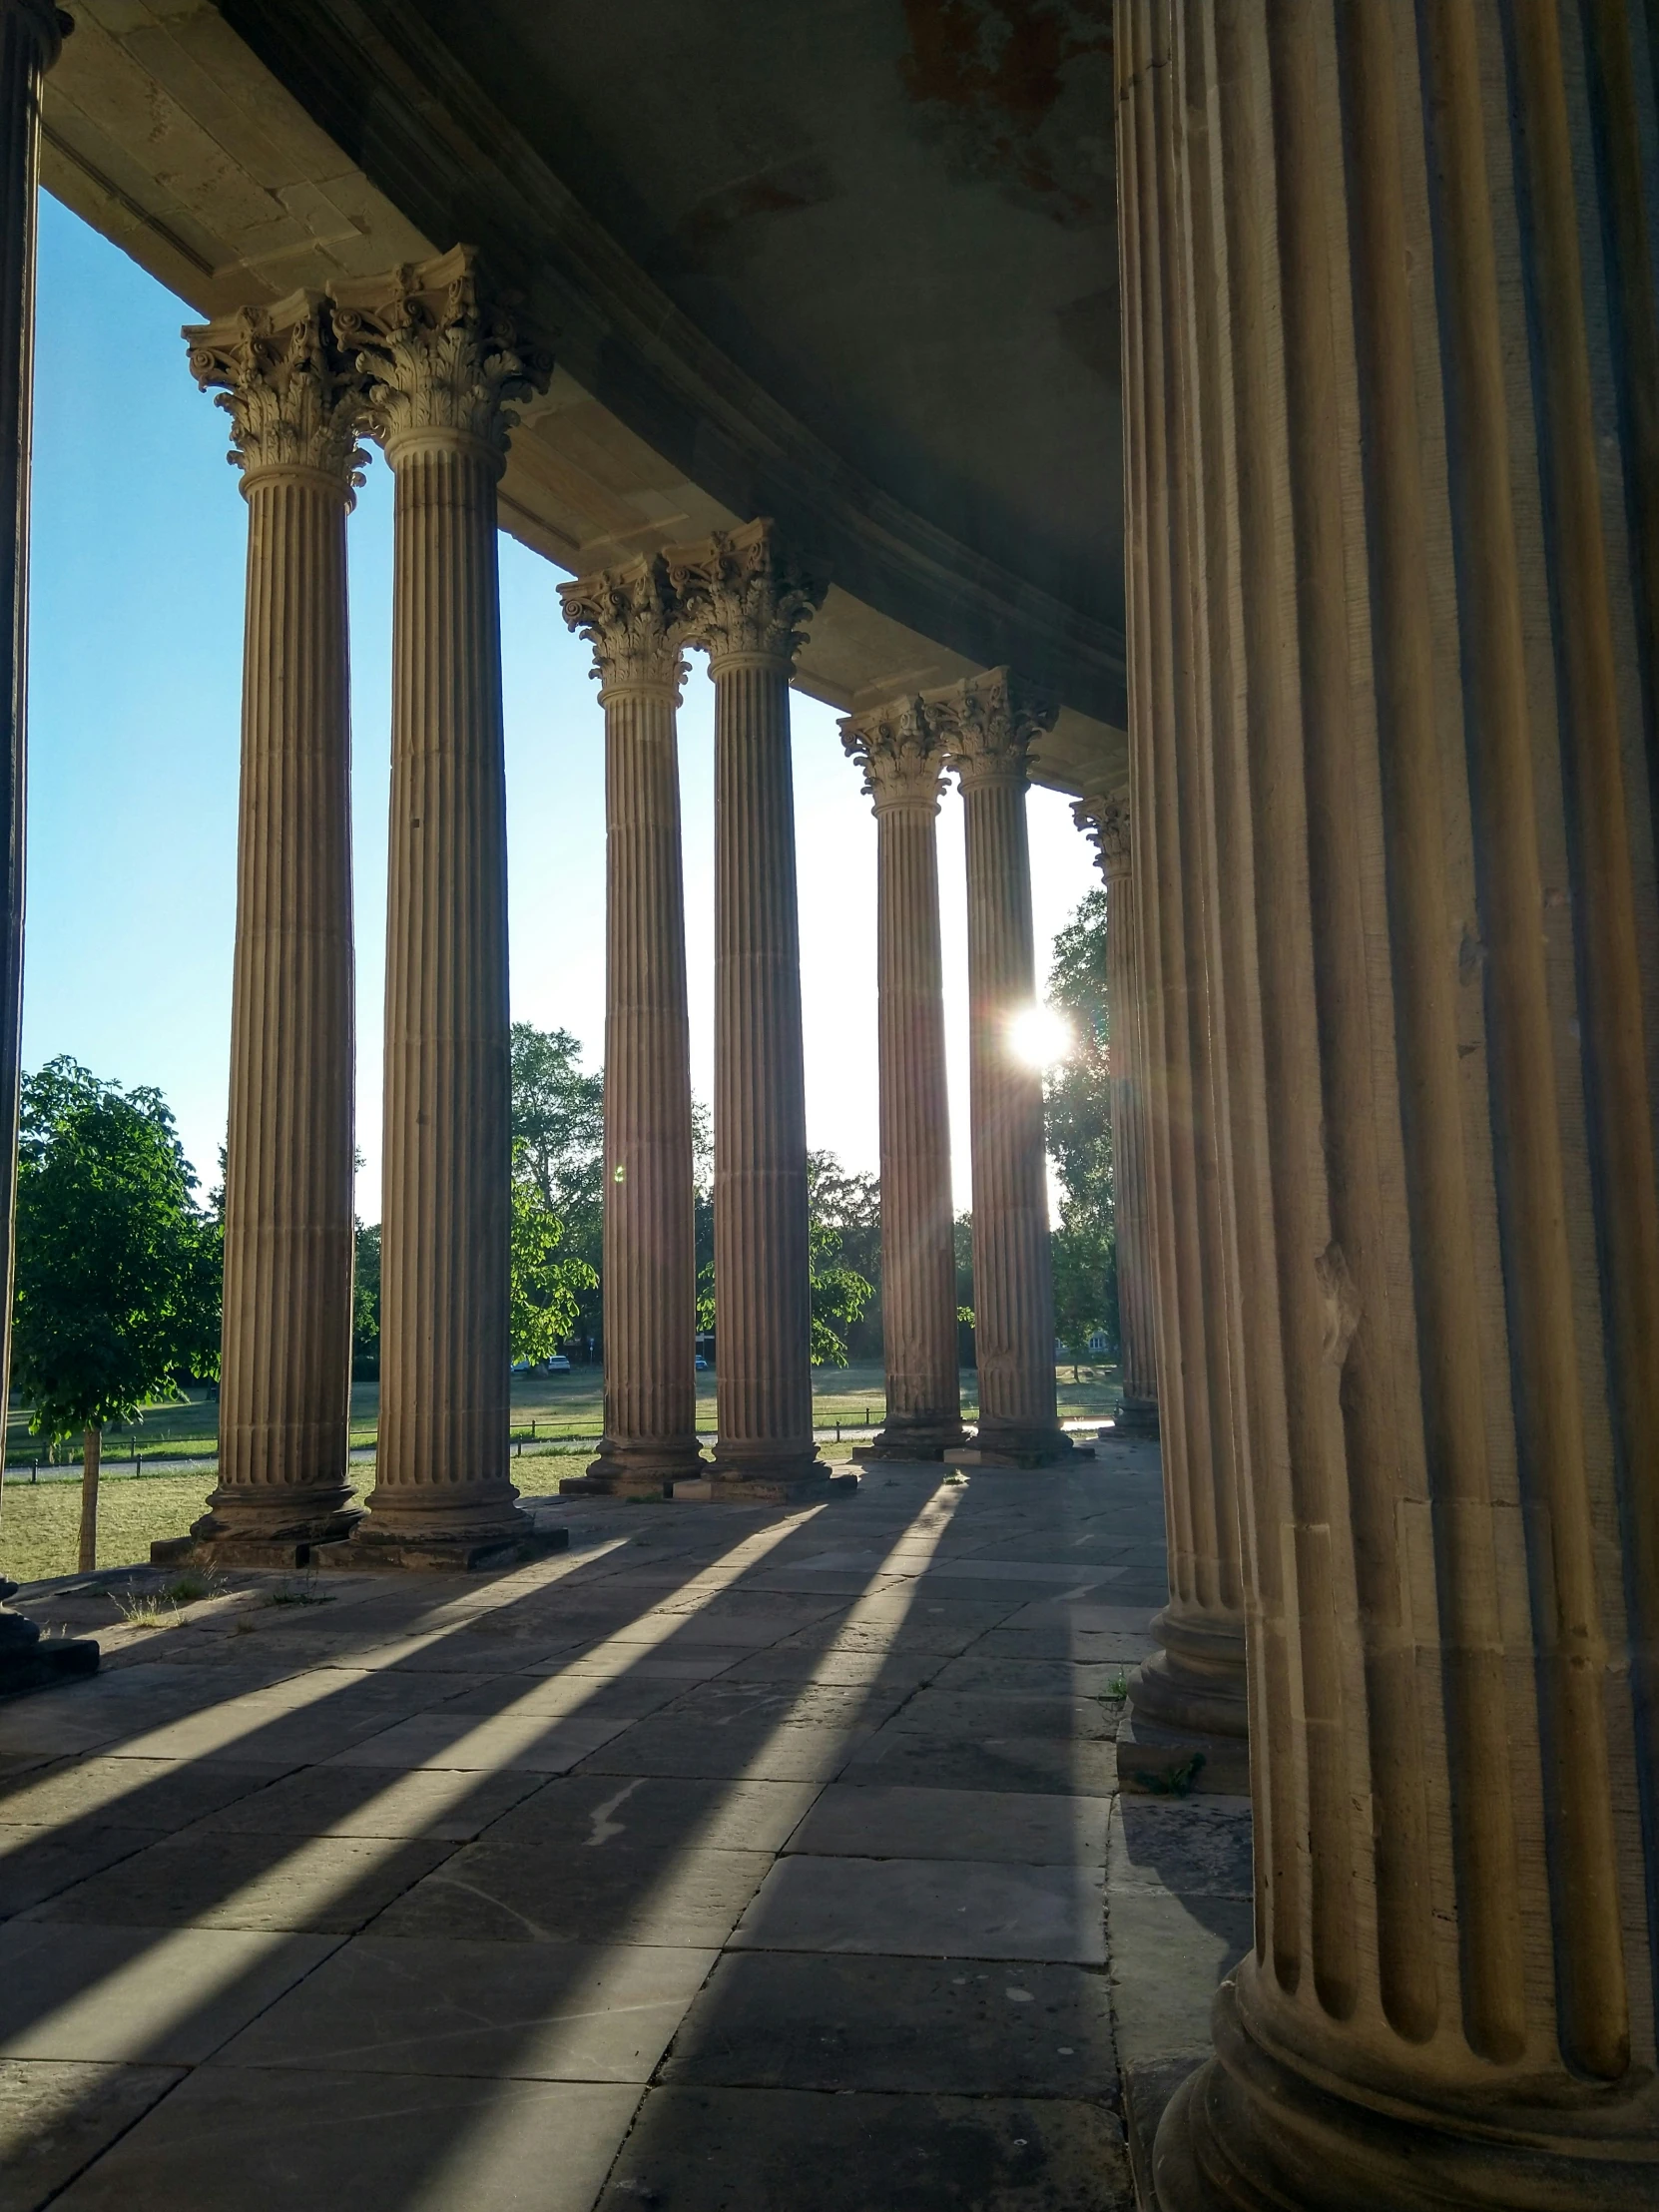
x,y
119,1272
546,1289
843,1229
558,1122
1078,1113
365,1303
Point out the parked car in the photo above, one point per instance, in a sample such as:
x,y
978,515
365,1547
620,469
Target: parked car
x,y
701,1363
558,1365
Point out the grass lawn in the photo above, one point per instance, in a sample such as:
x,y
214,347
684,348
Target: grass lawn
x,y
39,1523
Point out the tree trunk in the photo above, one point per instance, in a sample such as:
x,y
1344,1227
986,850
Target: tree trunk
x,y
91,1447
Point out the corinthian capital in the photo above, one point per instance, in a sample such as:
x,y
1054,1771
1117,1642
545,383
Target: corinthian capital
x,y
899,751
294,402
628,615
987,724
1103,818
436,355
741,597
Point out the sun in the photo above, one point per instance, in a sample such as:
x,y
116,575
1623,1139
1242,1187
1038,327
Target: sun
x,y
1039,1038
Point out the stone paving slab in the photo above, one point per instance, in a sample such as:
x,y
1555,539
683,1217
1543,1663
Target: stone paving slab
x,y
56,2116
515,1894
1047,1764
331,1886
756,2150
907,1907
122,1995
504,2010
788,2021
1011,1827
246,2139
655,1815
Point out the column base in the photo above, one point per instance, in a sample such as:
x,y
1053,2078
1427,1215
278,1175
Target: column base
x,y
370,1550
796,1478
915,1442
1248,2132
1194,1682
1136,1417
234,1534
639,1471
1006,1444
31,1661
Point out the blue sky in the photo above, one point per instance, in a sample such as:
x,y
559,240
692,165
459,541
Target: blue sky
x,y
135,686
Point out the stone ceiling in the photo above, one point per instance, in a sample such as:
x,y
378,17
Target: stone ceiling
x,y
851,263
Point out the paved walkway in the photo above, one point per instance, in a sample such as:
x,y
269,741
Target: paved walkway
x,y
734,1859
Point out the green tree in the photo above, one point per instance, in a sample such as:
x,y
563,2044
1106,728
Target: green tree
x,y
546,1289
559,1149
844,1227
1078,1113
366,1305
119,1274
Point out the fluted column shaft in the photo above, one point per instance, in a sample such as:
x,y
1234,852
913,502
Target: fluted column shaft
x,y
903,773
285,1374
763,1263
444,1414
30,39
742,598
1108,819
439,364
988,733
1189,1695
1391,270
650,1251
31,34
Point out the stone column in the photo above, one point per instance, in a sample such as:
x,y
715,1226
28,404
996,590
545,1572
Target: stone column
x,y
987,724
628,615
1391,269
1188,1718
285,1371
747,603
903,767
441,364
30,37
1105,819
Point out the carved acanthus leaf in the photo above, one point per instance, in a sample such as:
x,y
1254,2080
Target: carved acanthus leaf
x,y
628,615
1103,818
740,595
987,724
896,747
435,353
293,400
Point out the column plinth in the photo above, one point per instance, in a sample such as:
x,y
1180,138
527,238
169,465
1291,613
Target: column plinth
x,y
904,770
629,618
1391,330
285,1361
742,601
440,367
987,724
31,35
